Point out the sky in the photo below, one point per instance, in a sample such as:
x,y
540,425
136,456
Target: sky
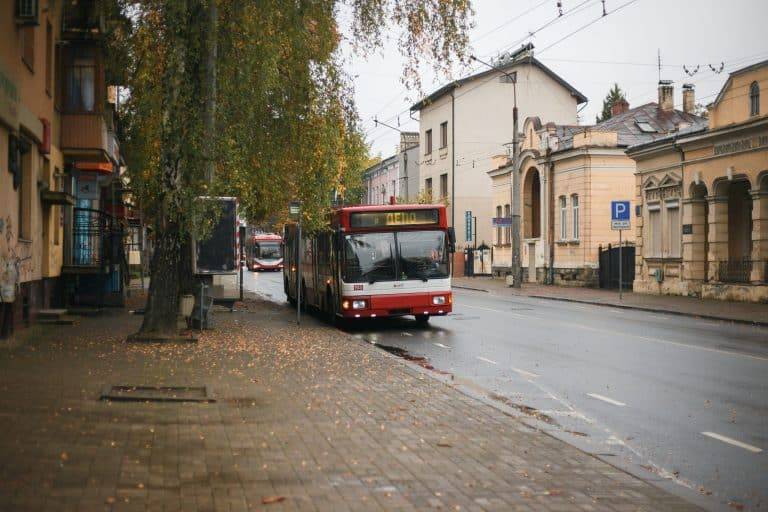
x,y
589,51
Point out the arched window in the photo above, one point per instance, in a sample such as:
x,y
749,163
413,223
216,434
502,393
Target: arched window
x,y
754,99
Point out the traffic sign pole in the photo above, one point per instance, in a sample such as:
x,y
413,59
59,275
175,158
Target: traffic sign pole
x,y
621,261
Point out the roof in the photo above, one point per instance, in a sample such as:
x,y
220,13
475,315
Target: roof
x,y
751,67
521,56
380,165
665,123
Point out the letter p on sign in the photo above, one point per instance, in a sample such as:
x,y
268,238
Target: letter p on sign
x,y
619,215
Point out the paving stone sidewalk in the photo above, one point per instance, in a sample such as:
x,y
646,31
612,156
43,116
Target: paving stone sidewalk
x,y
741,312
304,419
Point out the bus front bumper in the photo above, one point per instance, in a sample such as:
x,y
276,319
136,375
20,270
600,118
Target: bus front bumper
x,y
431,304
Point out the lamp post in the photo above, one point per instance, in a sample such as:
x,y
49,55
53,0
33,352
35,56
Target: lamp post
x,y
516,269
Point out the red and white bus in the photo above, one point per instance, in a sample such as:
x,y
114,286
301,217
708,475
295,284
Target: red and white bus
x,y
374,261
264,251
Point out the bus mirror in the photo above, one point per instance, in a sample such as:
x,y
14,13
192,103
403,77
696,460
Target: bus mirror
x,y
451,239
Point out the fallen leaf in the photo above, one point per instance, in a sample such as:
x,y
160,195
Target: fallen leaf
x,y
444,444
268,500
64,456
110,500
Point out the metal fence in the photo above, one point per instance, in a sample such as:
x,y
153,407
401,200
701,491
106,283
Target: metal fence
x,y
734,271
94,234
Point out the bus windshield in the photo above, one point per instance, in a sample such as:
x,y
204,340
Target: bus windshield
x,y
404,255
268,250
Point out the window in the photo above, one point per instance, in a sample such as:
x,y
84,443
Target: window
x,y
443,185
444,134
754,99
507,229
81,86
654,231
673,229
28,47
645,127
575,216
428,143
25,190
563,218
498,227
394,188
48,58
428,188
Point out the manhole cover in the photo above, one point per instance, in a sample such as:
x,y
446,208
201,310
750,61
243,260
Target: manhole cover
x,y
158,393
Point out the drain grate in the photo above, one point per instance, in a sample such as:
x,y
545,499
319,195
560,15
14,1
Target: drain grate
x,y
157,393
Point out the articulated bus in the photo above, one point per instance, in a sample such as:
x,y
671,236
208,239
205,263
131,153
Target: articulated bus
x,y
374,261
264,251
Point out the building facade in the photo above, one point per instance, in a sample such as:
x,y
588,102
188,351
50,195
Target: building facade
x,y
569,176
717,247
396,177
466,124
60,172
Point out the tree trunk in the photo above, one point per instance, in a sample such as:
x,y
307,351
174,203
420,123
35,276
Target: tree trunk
x,y
163,298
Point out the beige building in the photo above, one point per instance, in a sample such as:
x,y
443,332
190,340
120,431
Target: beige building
x,y
569,175
718,246
465,123
31,161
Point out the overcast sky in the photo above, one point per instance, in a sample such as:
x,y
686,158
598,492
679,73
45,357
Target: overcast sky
x,y
621,47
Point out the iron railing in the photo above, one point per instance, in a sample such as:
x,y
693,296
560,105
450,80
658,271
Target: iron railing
x,y
734,271
94,235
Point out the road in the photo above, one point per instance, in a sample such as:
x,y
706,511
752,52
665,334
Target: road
x,y
679,400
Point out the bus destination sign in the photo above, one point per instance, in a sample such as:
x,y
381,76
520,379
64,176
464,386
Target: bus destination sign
x,y
395,218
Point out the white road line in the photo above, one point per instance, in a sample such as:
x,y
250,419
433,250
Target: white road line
x,y
719,437
606,399
406,334
484,309
441,345
486,360
528,375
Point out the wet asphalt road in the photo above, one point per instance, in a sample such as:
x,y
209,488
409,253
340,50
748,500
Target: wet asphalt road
x,y
679,400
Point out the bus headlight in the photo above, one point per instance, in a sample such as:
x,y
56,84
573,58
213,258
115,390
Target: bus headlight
x,y
345,304
438,300
358,304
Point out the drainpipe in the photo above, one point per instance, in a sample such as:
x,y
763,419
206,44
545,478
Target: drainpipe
x,y
551,220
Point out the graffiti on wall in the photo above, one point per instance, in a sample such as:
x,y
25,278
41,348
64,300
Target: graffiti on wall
x,y
15,261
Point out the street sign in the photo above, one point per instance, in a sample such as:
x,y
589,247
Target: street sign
x,y
501,222
620,215
468,225
294,207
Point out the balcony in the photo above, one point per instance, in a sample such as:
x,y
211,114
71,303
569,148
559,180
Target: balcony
x,y
87,135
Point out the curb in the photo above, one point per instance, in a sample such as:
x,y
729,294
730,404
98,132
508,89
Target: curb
x,y
755,323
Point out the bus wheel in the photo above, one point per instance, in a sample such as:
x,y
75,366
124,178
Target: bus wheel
x,y
422,319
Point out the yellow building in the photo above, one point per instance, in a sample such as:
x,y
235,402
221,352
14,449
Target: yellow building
x,y
718,247
31,162
569,175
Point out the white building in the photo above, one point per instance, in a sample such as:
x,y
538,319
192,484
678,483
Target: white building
x,y
396,176
477,111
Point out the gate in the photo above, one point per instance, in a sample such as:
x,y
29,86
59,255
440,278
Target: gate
x,y
609,266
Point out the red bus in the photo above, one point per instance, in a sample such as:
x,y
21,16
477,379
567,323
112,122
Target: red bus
x,y
374,261
264,251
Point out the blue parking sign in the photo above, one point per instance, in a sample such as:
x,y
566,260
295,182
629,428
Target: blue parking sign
x,y
620,215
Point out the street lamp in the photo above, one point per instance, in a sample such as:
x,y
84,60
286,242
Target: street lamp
x,y
516,268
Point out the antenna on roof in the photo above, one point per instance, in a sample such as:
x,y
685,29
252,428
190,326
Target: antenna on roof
x,y
658,53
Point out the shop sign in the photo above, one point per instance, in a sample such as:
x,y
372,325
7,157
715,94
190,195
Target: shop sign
x,y
735,146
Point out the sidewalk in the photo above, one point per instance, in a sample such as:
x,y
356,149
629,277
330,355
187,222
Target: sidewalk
x,y
303,419
742,312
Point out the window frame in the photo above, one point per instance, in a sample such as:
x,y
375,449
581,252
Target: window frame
x,y
28,47
654,249
498,227
575,217
444,135
754,99
673,232
563,217
428,187
507,229
444,185
428,142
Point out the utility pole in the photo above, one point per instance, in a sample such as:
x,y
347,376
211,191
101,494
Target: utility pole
x,y
517,272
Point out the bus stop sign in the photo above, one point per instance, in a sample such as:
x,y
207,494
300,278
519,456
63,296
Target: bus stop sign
x,y
619,215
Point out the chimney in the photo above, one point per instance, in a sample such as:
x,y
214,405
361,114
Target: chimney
x,y
619,107
666,95
689,99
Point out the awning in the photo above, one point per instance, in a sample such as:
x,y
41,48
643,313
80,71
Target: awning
x,y
102,167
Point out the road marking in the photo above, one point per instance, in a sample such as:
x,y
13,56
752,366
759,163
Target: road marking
x,y
406,334
529,375
509,313
719,437
606,399
441,345
486,360
484,309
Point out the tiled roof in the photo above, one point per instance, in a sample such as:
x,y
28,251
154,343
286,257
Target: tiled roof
x,y
628,126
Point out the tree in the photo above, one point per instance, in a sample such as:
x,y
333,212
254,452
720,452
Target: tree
x,y
614,94
285,123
